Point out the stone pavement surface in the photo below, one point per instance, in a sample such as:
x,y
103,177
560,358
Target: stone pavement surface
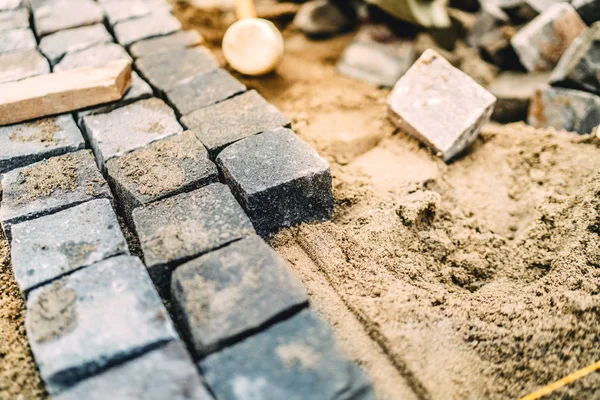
x,y
96,322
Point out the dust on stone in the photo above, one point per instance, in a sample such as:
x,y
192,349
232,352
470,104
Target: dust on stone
x,y
54,313
44,132
294,353
92,188
77,252
155,127
41,180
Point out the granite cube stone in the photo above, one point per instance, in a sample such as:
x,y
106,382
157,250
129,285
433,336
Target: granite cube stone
x,y
177,40
579,67
278,179
16,40
158,23
219,125
514,91
46,248
117,11
60,15
164,70
10,4
568,109
440,105
232,292
588,10
166,373
58,44
96,317
295,359
203,90
50,186
33,141
14,19
94,56
541,43
21,65
128,128
176,229
161,169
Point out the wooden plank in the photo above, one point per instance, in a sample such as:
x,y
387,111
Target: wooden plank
x,y
63,92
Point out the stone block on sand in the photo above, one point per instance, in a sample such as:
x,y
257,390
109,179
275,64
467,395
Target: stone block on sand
x,y
179,228
177,40
514,91
164,70
49,186
33,141
159,23
58,44
441,106
161,169
21,65
99,316
94,56
14,19
60,15
46,248
232,292
568,109
117,11
219,125
295,359
203,90
278,179
542,42
128,128
10,4
16,40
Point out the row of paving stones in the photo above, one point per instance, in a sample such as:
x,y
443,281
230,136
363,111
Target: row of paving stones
x,y
95,321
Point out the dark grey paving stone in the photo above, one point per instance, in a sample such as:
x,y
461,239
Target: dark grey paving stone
x,y
101,315
164,70
158,23
227,122
177,40
166,373
14,19
94,56
10,4
295,359
58,44
589,10
33,141
128,128
46,248
578,67
17,40
117,11
232,292
59,15
514,91
174,230
278,179
161,169
568,109
203,90
21,65
49,186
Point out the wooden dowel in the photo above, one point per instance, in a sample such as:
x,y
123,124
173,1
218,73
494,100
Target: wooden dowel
x,y
245,9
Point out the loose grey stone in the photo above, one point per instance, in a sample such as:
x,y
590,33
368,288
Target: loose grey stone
x,y
181,227
50,186
177,40
117,11
10,4
320,18
56,16
514,91
99,316
219,125
579,66
440,105
589,10
487,21
46,248
138,90
229,293
161,169
296,359
58,44
14,19
278,179
164,70
21,65
33,141
542,42
571,110
203,90
95,56
379,63
158,23
166,373
128,128
17,40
